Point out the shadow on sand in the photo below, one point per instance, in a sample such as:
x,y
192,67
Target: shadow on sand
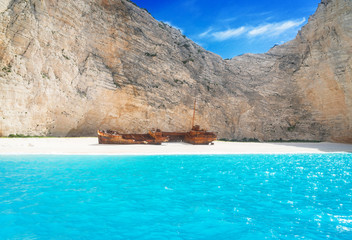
x,y
322,146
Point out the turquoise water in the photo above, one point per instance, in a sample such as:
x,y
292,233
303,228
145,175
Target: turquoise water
x,y
176,197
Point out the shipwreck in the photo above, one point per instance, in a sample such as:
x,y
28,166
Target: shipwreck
x,y
196,136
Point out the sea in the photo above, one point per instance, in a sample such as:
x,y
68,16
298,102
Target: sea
x,y
275,196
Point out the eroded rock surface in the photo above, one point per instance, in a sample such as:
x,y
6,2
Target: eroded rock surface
x,y
68,68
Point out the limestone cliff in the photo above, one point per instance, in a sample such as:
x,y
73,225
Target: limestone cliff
x,y
68,68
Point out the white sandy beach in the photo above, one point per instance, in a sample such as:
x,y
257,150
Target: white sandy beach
x,y
90,146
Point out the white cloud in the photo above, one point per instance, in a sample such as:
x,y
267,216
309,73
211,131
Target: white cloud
x,y
231,33
259,30
274,29
206,33
289,24
270,29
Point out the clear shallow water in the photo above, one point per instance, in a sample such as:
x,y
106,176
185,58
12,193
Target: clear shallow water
x,y
176,197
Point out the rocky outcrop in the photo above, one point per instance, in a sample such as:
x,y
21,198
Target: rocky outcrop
x,y
324,77
71,67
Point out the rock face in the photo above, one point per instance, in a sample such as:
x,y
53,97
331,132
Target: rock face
x,y
68,68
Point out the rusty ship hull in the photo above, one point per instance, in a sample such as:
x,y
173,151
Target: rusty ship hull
x,y
196,136
113,137
199,136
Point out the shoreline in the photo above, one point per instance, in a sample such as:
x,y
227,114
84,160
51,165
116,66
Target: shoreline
x,y
90,146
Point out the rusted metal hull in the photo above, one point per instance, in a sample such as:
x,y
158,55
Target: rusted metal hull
x,y
200,138
175,136
112,137
196,136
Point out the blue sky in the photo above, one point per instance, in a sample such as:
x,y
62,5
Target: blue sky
x,y
231,28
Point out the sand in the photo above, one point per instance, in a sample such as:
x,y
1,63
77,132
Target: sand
x,y
90,146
